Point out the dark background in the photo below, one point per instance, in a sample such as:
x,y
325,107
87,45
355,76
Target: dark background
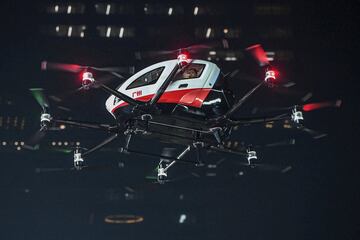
x,y
317,199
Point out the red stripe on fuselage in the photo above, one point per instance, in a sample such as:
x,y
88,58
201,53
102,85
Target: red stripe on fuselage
x,y
188,97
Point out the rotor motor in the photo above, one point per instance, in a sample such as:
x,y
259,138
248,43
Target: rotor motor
x,y
251,155
87,80
78,160
297,116
183,59
270,77
45,120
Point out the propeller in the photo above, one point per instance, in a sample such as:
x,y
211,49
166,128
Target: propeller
x,y
319,105
38,94
41,99
75,68
258,54
312,106
197,48
45,118
314,134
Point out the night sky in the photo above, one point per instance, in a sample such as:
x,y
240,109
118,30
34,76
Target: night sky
x,y
317,199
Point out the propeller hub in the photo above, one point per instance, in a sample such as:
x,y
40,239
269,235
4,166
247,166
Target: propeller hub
x,y
183,59
296,116
87,80
78,160
251,155
45,119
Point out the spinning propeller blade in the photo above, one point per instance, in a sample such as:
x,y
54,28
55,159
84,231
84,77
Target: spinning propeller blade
x,y
75,68
319,105
197,48
61,67
259,54
40,97
311,106
314,134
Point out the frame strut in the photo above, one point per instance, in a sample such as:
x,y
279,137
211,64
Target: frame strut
x,y
180,156
237,105
254,120
99,126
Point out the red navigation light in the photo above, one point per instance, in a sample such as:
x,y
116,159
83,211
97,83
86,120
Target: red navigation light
x,y
183,59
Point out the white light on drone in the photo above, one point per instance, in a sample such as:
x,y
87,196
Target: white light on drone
x,y
69,9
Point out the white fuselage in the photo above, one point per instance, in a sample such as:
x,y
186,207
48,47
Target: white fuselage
x,y
189,91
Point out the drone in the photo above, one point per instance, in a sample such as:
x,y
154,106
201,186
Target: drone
x,y
181,101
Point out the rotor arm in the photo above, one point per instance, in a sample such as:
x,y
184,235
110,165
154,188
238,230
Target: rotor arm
x,y
237,105
102,144
88,125
227,150
257,120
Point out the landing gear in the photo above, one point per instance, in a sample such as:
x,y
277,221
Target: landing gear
x,y
164,166
162,173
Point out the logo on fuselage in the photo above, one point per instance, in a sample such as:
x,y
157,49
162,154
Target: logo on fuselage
x,y
136,94
133,95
